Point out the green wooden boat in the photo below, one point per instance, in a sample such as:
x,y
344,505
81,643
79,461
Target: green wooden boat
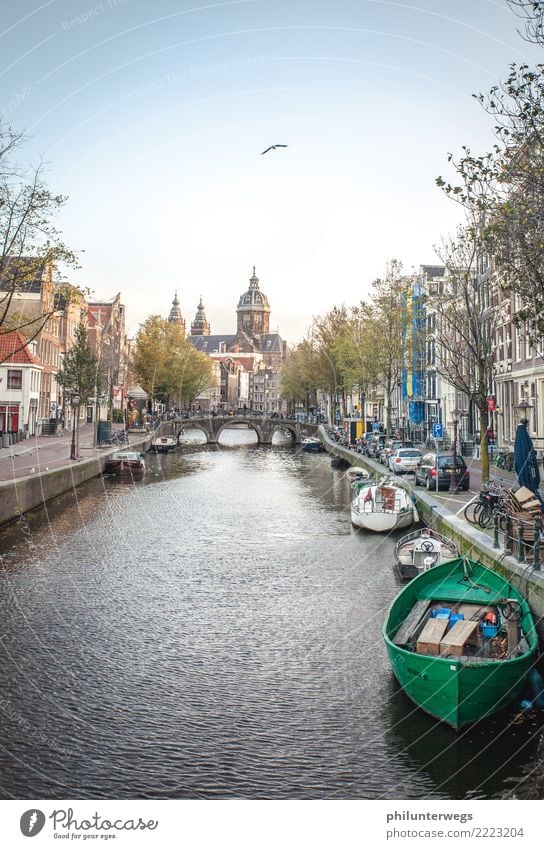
x,y
461,641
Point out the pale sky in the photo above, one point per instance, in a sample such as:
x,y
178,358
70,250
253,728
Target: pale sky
x,y
152,118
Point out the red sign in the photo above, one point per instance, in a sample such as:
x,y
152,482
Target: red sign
x,y
491,403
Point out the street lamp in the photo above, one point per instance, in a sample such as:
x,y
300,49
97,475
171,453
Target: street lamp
x,y
522,408
453,481
75,406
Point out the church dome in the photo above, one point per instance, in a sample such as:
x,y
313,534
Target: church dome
x,y
253,311
253,299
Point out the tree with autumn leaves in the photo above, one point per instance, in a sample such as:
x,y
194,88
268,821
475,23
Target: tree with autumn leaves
x,y
167,366
364,346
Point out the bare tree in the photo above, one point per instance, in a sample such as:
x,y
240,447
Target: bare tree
x,y
532,13
30,244
464,320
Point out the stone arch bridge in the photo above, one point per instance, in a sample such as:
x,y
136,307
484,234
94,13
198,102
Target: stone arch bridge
x,y
264,427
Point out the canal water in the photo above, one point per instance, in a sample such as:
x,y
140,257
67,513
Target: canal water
x,y
214,631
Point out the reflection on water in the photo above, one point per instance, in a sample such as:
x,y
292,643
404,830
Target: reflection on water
x,y
214,631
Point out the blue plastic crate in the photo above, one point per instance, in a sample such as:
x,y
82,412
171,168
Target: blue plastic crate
x,y
441,613
489,630
456,617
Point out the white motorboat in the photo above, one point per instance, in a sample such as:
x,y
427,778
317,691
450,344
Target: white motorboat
x,y
421,550
164,443
125,461
310,443
382,507
356,473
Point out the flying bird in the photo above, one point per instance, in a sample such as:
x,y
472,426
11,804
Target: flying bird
x,y
273,147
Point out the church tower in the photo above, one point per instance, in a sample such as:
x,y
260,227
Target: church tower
x,y
201,325
253,311
175,316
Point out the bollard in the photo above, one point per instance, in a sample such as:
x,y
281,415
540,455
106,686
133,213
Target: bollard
x,y
536,547
508,539
496,530
521,553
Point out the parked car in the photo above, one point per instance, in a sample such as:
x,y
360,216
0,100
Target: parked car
x,y
404,460
376,444
390,445
425,471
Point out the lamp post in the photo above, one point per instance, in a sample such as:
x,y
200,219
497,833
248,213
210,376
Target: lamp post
x,y
265,385
75,406
522,408
453,481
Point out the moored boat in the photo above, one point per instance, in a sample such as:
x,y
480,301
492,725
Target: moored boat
x,y
421,550
381,507
125,461
356,473
461,641
310,443
163,444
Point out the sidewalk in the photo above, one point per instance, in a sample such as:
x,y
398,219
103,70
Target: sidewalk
x,y
42,453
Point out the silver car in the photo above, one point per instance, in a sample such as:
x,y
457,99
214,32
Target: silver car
x,y
404,460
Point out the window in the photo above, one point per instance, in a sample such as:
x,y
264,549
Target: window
x,y
15,378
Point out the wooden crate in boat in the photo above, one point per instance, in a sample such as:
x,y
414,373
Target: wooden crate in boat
x,y
463,632
429,640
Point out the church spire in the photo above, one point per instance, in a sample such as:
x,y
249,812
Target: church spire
x,y
175,316
201,325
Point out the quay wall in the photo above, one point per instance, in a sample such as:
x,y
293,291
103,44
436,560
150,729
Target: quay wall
x,y
472,542
21,494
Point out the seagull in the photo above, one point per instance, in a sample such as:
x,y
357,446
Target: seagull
x,y
273,147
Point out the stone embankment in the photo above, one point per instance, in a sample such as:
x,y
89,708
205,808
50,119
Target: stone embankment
x,y
20,494
474,543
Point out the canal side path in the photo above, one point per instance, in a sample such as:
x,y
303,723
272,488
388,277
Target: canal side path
x,y
39,468
443,511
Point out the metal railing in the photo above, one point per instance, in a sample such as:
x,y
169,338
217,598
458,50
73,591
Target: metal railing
x,y
522,538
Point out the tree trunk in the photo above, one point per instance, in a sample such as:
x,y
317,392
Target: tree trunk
x,y
484,453
389,408
77,431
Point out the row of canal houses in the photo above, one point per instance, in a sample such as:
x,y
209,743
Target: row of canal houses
x,y
423,398
31,400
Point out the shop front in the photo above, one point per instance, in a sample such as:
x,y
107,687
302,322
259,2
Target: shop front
x,y
9,418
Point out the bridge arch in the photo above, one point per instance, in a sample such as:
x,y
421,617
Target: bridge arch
x,y
190,424
276,425
233,420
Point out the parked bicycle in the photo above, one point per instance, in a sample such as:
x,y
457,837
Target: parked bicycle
x,y
505,461
490,501
119,437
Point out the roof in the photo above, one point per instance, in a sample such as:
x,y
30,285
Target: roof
x,y
270,343
10,342
210,344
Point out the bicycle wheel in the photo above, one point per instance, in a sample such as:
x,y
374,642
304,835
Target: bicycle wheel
x,y
486,517
471,512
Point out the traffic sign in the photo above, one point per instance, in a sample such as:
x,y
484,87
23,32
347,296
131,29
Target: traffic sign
x,y
375,426
438,431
